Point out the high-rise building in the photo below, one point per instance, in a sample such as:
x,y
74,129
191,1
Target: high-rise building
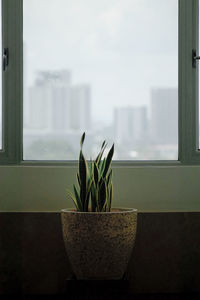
x,y
60,109
38,101
164,115
122,124
130,124
47,101
139,123
80,108
56,106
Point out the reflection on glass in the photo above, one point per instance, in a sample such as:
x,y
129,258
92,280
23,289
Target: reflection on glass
x,y
109,68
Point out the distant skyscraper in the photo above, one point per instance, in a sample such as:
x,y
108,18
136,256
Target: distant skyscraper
x,y
48,101
139,123
130,124
60,113
80,108
123,124
38,106
164,115
53,104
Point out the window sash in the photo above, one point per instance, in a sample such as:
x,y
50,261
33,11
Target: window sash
x,y
12,27
12,82
188,83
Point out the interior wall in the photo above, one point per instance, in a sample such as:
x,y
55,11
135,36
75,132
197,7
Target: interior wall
x,y
173,188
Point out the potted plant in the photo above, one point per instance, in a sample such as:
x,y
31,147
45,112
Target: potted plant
x,y
98,239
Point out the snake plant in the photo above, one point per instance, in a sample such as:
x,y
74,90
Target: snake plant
x,y
94,189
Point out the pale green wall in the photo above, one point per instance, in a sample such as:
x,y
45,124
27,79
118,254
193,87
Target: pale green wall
x,y
177,188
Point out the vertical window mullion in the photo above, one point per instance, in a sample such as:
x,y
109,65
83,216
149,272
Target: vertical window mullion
x,y
12,81
187,81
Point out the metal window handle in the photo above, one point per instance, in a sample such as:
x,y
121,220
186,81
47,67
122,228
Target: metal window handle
x,y
194,58
5,58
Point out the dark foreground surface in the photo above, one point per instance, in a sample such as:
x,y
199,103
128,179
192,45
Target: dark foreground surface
x,y
165,263
102,290
110,296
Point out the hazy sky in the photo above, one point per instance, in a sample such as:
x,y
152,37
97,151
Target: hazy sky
x,y
122,48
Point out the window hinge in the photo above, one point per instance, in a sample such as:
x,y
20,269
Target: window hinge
x,y
194,58
5,58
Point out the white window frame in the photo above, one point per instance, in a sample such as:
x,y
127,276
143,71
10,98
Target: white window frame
x,y
12,28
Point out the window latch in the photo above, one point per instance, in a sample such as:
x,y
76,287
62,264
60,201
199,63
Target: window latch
x,y
194,58
5,58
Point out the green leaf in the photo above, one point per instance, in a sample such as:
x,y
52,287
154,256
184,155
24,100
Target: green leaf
x,y
73,199
94,197
102,166
91,166
108,161
98,159
96,174
88,195
109,180
83,174
83,168
90,176
102,195
78,179
78,200
104,142
82,140
110,198
86,204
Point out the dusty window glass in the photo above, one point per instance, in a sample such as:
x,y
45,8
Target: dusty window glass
x,y
109,68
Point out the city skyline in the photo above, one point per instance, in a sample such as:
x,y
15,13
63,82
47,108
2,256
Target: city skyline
x,y
56,107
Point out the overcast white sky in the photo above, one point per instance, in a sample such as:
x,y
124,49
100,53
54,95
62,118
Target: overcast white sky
x,y
122,48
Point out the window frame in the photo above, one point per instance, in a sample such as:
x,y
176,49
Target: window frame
x,y
188,83
12,84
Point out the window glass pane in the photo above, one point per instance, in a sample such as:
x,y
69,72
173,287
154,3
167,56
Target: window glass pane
x,y
109,68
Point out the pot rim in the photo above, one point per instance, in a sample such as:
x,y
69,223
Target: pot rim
x,y
119,210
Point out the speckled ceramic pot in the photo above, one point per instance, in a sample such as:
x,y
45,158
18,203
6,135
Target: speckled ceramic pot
x,y
99,245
